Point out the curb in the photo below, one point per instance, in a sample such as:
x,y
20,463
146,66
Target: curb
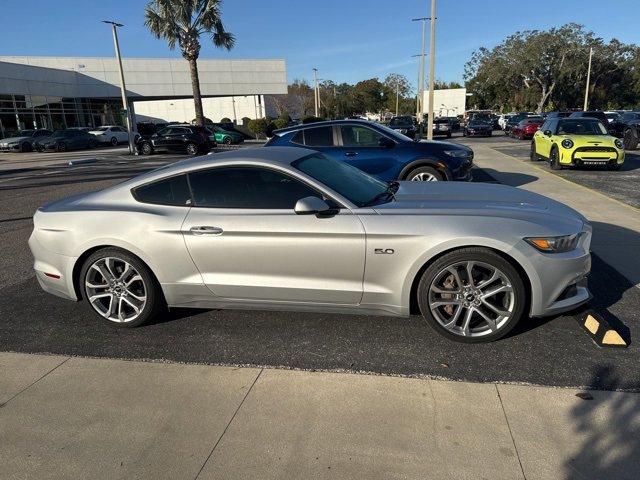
x,y
82,161
601,331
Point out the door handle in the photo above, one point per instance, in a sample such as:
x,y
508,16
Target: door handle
x,y
204,230
350,154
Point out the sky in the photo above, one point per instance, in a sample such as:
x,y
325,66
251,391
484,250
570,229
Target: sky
x,y
346,40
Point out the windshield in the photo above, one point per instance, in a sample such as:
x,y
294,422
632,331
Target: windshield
x,y
353,184
27,133
400,121
102,129
581,127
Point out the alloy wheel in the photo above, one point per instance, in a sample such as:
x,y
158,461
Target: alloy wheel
x,y
192,148
115,289
424,177
471,299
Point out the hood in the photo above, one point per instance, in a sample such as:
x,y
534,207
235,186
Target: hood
x,y
477,199
581,140
14,139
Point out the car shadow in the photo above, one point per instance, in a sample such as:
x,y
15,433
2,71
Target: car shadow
x,y
606,427
513,179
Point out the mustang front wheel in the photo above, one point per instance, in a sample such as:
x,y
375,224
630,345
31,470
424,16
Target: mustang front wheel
x,y
472,295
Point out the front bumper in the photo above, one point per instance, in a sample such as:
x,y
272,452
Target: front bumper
x,y
560,280
591,156
10,148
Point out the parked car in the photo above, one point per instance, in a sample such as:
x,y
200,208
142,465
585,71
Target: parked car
x,y
627,127
404,125
68,139
557,114
477,128
292,229
454,122
612,116
24,141
442,126
577,141
526,128
503,119
380,151
111,134
190,139
226,137
599,114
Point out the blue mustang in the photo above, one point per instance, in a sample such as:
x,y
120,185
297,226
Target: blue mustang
x,y
380,151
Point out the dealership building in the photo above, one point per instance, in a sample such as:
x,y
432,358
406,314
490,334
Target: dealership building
x,y
62,92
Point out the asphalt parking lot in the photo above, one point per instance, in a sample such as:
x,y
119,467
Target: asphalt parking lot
x,y
553,351
621,185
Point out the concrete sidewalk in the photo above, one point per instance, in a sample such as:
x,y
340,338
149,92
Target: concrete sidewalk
x,y
616,225
77,418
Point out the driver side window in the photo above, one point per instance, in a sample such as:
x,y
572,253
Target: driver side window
x,y
358,136
247,188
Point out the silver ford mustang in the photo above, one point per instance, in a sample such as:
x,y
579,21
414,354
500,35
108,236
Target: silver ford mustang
x,y
288,228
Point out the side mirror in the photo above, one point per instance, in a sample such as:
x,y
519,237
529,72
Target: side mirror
x,y
547,133
384,142
311,206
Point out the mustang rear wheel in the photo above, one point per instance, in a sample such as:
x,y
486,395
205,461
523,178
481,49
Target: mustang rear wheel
x,y
472,295
120,288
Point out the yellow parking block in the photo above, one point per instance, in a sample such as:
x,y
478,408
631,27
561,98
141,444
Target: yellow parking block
x,y
600,330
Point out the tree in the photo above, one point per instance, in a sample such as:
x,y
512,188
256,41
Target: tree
x,y
395,83
182,22
541,69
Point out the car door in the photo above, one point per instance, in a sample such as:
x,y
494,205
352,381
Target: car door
x,y
361,147
249,244
544,141
162,138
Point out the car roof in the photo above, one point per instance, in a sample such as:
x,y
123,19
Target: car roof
x,y
325,123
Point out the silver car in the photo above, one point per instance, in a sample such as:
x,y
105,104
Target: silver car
x,y
290,229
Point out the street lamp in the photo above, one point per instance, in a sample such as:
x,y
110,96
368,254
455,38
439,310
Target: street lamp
x,y
123,88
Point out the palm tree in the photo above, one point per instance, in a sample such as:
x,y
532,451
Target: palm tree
x,y
182,22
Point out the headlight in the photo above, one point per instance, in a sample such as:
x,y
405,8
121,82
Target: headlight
x,y
459,153
561,244
618,143
567,143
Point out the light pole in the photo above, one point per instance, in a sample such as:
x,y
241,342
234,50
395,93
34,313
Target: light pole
x,y
397,95
586,90
432,67
418,99
421,74
316,96
123,88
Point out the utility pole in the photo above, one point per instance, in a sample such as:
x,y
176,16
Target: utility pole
x,y
432,68
316,96
586,90
397,95
123,88
418,99
421,75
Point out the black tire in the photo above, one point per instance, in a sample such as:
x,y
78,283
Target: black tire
x,y
192,148
477,254
554,163
227,141
533,156
630,139
427,171
114,141
449,135
146,148
155,303
61,147
40,148
26,147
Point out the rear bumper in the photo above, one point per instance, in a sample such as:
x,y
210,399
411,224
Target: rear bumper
x,y
11,148
54,272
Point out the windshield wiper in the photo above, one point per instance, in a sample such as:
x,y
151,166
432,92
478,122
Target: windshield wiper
x,y
388,193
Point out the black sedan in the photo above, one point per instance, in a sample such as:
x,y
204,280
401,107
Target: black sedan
x,y
404,125
476,128
69,139
188,139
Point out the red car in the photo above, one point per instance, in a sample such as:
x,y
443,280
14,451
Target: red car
x,y
526,128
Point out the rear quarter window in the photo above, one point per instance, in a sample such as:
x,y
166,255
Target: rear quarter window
x,y
169,191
